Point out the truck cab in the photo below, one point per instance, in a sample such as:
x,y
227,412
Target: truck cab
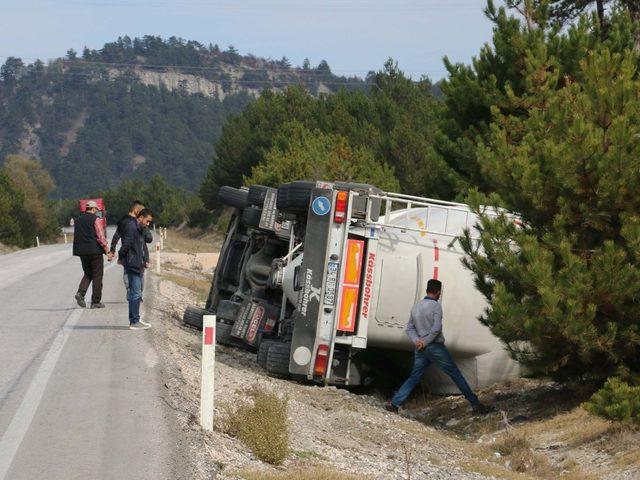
x,y
312,274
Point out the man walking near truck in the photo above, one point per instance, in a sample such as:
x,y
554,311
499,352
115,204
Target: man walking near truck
x,y
90,243
131,255
425,331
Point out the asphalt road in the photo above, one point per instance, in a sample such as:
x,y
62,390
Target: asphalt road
x,y
81,396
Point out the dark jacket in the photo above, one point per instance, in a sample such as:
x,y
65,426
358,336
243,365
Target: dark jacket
x,y
131,252
85,240
146,233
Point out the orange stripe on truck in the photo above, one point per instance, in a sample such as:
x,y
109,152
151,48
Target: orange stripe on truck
x,y
351,286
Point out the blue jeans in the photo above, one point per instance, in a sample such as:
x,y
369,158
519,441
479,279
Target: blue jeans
x,y
134,295
436,353
125,279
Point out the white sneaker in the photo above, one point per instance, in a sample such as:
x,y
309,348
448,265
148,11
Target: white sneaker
x,y
145,323
138,326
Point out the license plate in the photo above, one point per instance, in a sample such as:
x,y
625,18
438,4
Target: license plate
x,y
332,281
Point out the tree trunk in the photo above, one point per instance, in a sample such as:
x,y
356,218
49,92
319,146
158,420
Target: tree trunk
x,y
634,11
601,19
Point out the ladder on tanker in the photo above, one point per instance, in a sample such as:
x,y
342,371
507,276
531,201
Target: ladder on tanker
x,y
442,218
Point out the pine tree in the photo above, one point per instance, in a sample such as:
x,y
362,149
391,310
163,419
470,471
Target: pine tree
x,y
564,287
303,154
470,91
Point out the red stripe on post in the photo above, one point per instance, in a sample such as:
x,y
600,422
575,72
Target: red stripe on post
x,y
208,336
436,251
435,273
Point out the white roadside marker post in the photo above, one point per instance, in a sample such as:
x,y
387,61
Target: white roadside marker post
x,y
154,228
161,240
65,238
207,377
37,241
165,232
157,257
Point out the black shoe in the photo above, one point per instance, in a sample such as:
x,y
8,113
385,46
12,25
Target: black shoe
x,y
390,407
80,299
97,305
481,409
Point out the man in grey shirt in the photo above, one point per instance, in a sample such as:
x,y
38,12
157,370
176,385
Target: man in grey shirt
x,y
425,331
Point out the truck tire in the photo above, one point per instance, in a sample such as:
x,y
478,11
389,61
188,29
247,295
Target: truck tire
x,y
251,216
234,197
257,194
223,334
227,310
278,360
263,350
231,269
294,197
193,316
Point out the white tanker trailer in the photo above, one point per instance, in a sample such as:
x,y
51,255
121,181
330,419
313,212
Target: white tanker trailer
x,y
314,273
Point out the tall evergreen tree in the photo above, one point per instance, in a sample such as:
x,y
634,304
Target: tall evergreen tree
x,y
563,287
471,91
302,154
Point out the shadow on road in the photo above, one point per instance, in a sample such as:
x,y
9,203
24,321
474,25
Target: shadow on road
x,y
68,309
50,309
100,327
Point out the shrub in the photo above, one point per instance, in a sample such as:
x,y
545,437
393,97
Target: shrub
x,y
511,444
616,400
261,423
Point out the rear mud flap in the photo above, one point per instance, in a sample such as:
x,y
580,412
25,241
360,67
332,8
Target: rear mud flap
x,y
255,318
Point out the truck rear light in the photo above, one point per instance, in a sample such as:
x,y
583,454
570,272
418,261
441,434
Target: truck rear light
x,y
340,214
351,286
322,360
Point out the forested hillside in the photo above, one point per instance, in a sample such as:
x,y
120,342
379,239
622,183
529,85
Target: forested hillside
x,y
136,108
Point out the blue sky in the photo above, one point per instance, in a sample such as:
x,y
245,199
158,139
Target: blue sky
x,y
354,36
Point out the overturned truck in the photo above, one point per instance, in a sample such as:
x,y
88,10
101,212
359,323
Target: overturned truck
x,y
312,274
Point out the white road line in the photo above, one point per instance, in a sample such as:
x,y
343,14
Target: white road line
x,y
12,438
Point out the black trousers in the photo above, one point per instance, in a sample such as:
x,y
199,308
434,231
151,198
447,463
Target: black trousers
x,y
93,268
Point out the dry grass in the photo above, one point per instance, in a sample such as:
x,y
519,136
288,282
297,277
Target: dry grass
x,y
498,469
7,249
511,444
306,473
199,286
516,451
308,455
493,469
630,453
552,438
192,241
261,423
575,428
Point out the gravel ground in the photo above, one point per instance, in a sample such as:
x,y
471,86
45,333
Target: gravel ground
x,y
435,437
329,426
